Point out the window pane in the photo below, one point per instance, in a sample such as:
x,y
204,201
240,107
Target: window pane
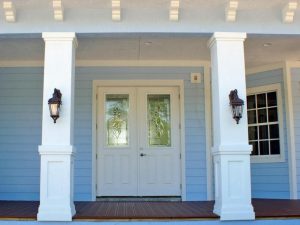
x,y
274,131
159,120
251,116
262,115
264,147
251,102
252,133
254,147
261,100
275,147
273,117
263,132
272,99
116,117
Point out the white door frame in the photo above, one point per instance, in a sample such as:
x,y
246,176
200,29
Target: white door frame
x,y
144,83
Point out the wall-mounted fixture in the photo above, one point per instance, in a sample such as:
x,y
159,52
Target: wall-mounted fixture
x,y
195,78
237,105
54,104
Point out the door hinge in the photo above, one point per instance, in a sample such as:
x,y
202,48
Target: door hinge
x,y
96,126
179,126
96,96
180,186
96,156
180,155
179,96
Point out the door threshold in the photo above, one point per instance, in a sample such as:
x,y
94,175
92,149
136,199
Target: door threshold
x,y
139,199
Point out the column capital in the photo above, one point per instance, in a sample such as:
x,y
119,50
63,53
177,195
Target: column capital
x,y
60,36
226,36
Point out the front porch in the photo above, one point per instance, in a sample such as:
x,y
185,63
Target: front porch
x,y
125,211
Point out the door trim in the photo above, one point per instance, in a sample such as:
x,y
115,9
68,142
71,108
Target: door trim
x,y
144,83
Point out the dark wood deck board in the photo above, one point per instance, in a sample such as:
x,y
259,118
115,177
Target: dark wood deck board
x,y
264,208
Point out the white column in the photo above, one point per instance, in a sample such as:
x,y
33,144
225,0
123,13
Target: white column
x,y
231,150
57,150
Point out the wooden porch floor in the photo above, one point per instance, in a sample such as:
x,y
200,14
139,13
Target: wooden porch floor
x,y
264,208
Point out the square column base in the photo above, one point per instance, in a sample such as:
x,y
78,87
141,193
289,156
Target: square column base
x,y
237,212
56,212
233,183
56,188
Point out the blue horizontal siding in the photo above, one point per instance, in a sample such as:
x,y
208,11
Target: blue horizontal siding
x,y
270,180
21,92
295,78
194,122
20,128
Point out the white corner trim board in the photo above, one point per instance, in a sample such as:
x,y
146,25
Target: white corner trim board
x,y
290,128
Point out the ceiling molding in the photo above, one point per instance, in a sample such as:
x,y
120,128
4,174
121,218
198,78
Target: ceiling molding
x,y
174,10
58,10
9,11
288,12
231,10
116,10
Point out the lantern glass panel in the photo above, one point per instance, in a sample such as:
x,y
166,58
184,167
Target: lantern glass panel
x,y
54,109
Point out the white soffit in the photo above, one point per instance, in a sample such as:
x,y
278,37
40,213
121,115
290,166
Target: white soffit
x,y
9,11
288,12
259,50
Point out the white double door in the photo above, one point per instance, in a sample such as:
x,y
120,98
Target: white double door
x,y
138,141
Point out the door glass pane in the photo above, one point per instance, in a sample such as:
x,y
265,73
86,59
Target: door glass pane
x,y
116,118
159,120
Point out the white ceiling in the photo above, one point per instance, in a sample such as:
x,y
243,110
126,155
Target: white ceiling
x,y
155,48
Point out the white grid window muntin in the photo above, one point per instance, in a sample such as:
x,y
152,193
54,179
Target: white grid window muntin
x,y
267,132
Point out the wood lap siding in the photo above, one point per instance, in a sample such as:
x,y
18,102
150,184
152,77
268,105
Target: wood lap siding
x,y
270,180
194,122
21,91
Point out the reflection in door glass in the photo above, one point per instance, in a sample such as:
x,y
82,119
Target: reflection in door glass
x,y
116,119
159,125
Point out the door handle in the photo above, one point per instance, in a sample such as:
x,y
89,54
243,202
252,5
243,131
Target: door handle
x,y
142,154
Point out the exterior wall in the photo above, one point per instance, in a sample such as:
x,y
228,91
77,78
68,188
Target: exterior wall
x,y
20,128
270,180
295,80
194,121
20,132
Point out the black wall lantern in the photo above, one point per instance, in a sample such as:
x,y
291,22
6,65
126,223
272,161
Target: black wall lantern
x,y
237,105
54,104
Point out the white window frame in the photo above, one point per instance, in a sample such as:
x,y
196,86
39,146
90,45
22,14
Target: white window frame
x,y
281,156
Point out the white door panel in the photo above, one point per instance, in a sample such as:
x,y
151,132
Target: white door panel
x,y
116,145
159,164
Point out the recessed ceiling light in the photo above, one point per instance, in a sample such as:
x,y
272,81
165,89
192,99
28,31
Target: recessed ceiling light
x,y
268,44
148,43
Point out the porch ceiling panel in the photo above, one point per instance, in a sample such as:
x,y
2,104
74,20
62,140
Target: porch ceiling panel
x,y
259,50
195,16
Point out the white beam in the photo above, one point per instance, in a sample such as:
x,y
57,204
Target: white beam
x,y
231,10
58,10
9,11
174,10
288,12
116,10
